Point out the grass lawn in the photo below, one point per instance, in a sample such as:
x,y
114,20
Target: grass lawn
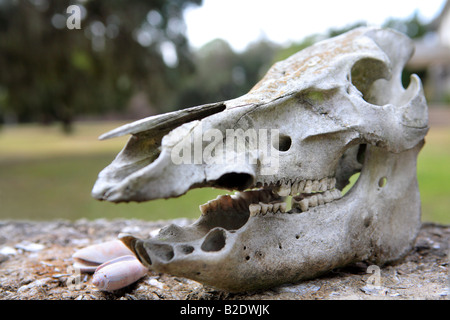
x,y
47,175
433,173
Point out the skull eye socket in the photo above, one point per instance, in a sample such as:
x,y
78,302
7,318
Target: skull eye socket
x,y
364,73
283,144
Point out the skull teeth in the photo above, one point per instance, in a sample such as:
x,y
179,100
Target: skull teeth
x,y
264,208
300,203
304,202
306,194
288,187
241,201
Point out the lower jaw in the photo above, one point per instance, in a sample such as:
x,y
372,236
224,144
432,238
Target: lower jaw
x,y
270,249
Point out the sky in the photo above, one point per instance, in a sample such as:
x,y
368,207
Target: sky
x,y
241,22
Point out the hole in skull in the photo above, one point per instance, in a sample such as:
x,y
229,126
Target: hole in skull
x,y
283,144
368,221
142,254
365,72
382,182
349,186
162,251
214,241
361,153
349,166
234,181
187,249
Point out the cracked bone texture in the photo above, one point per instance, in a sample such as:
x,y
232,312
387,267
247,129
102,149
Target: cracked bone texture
x,y
339,108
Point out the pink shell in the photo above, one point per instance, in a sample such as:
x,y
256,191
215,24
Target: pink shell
x,y
89,258
118,273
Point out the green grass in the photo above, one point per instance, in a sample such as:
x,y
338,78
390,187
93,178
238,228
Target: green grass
x,y
433,173
46,175
60,188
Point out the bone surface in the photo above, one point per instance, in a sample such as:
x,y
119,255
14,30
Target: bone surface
x,y
329,111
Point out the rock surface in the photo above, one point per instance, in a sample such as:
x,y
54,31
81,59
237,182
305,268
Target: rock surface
x,y
36,264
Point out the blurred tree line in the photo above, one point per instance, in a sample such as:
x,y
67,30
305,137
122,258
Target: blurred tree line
x,y
126,52
50,72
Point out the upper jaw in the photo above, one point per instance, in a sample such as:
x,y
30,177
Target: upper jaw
x,y
148,183
127,179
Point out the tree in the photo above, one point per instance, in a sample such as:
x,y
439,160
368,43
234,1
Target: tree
x,y
50,72
223,74
413,27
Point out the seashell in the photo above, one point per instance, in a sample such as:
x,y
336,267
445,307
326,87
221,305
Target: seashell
x,y
89,258
118,273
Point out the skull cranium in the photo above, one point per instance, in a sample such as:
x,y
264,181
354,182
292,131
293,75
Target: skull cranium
x,y
333,109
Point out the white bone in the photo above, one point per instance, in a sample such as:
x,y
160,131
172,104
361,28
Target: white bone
x,y
336,108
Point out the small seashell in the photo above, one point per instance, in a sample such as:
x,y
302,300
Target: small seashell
x,y
118,273
89,258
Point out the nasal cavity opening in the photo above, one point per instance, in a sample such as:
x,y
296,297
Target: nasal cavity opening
x,y
235,181
214,241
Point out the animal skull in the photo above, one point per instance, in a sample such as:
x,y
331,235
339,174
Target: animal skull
x,y
333,109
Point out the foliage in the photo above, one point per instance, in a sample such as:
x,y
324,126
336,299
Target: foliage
x,y
124,50
412,26
51,72
297,46
222,74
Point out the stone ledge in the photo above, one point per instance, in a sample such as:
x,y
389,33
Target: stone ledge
x,y
35,264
